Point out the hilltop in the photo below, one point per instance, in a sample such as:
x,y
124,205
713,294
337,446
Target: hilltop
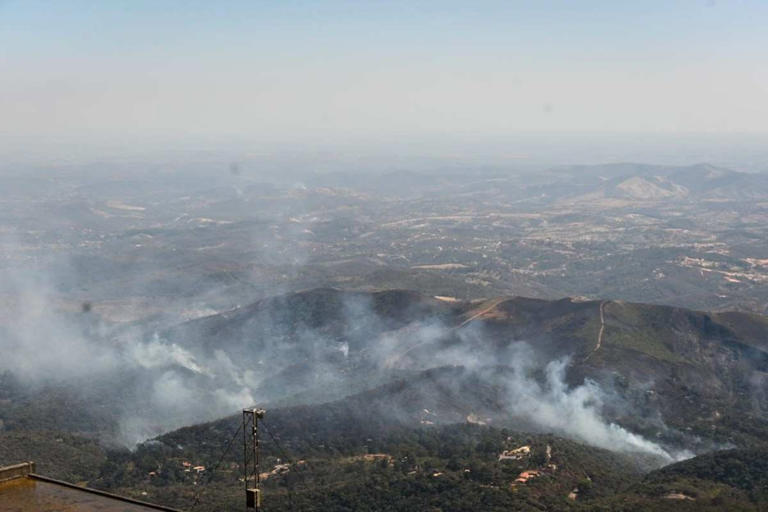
x,y
350,373
693,368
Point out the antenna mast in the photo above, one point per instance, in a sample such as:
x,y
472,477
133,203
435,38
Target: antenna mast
x,y
251,418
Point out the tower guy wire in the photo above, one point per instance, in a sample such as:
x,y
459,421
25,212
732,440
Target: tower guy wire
x,y
201,489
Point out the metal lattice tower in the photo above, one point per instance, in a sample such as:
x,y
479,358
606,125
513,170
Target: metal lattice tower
x,y
251,419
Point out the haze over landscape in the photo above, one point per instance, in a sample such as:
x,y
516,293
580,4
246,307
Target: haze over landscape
x,y
469,256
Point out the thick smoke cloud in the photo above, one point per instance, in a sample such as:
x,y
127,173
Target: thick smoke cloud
x,y
575,412
165,384
152,384
545,402
36,341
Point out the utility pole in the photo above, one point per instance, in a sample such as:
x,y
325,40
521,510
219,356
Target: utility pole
x,y
251,419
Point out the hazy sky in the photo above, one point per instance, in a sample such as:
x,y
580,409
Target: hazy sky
x,y
337,70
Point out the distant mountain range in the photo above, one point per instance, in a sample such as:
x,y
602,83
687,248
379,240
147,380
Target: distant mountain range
x,y
654,183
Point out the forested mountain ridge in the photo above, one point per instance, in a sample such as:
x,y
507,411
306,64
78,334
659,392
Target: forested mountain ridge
x,y
439,385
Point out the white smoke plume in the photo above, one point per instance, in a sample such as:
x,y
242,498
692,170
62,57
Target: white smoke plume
x,y
575,412
157,354
549,404
178,385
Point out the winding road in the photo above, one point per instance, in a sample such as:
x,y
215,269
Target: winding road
x,y
481,313
602,329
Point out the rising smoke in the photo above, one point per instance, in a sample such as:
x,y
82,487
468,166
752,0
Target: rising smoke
x,y
157,384
572,411
535,389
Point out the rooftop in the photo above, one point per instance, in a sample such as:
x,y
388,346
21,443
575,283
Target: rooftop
x,y
21,490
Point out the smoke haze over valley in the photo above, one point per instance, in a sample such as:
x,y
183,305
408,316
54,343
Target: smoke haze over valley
x,y
257,354
466,256
135,305
164,300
